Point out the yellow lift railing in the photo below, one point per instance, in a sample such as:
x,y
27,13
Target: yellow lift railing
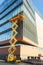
x,y
13,40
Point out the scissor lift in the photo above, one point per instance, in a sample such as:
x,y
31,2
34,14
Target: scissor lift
x,y
12,49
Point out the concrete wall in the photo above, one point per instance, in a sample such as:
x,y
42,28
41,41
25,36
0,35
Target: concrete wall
x,y
4,50
23,50
26,51
39,23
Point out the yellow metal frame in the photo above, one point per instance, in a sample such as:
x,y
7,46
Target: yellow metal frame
x,y
14,21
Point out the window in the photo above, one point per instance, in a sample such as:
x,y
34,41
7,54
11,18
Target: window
x,y
13,13
6,36
6,26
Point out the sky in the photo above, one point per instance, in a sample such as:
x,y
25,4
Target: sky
x,y
38,4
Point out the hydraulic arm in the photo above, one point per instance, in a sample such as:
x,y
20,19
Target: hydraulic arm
x,y
13,40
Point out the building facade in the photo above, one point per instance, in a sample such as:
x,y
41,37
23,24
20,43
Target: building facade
x,y
39,23
27,33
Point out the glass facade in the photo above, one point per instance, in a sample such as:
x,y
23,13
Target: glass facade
x,y
5,27
28,10
29,30
6,36
29,24
8,9
11,8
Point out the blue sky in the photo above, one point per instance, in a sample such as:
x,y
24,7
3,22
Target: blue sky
x,y
38,4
